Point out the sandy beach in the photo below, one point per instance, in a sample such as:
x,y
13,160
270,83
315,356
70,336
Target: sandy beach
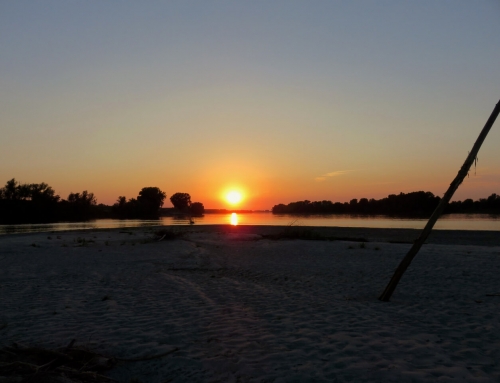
x,y
243,307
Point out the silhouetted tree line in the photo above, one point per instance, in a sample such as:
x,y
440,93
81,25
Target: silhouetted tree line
x,y
411,204
34,203
37,203
490,205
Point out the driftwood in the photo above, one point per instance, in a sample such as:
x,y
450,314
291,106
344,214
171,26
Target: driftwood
x,y
167,234
464,170
69,364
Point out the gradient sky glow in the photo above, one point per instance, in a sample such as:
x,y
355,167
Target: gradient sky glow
x,y
283,100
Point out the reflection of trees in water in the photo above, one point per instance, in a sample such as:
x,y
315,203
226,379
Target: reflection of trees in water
x,y
449,222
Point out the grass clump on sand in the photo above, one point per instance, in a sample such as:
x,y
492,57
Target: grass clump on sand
x,y
83,242
297,233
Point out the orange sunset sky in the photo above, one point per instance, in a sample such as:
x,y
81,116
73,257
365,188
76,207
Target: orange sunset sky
x,y
281,100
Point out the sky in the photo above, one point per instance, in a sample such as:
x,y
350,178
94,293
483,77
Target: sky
x,y
281,100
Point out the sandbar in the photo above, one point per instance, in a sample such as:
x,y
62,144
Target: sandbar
x,y
246,305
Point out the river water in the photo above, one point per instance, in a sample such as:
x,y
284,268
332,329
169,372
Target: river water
x,y
446,222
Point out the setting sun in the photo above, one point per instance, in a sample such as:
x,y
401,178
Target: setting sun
x,y
234,197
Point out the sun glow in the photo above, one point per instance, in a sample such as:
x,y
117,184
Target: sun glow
x,y
234,197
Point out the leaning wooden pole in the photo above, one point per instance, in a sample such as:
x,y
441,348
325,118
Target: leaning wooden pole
x,y
464,170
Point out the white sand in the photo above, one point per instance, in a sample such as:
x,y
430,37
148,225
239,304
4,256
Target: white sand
x,y
245,309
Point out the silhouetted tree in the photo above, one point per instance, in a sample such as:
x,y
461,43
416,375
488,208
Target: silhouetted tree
x,y
42,193
150,200
83,199
197,209
120,207
11,190
79,206
44,201
133,209
181,201
146,205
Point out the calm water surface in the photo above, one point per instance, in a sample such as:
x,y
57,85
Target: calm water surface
x,y
447,222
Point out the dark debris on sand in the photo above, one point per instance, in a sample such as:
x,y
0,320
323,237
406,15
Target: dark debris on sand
x,y
70,364
67,365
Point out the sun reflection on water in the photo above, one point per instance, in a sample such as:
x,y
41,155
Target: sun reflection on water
x,y
234,219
